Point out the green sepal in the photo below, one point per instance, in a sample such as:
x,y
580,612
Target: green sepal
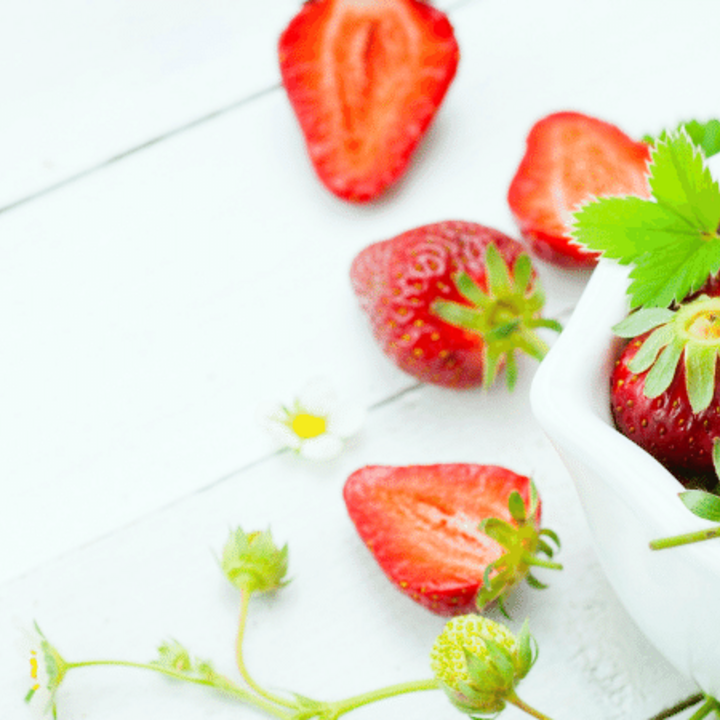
x,y
534,583
522,272
700,362
502,661
470,290
506,315
552,535
524,544
498,277
484,675
662,372
499,530
491,365
641,321
517,506
459,315
650,349
703,504
526,651
511,370
546,323
545,548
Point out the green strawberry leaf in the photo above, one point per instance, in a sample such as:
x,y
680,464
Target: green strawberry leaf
x,y
672,239
705,135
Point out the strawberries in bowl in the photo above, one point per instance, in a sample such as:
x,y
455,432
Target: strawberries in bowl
x,y
630,499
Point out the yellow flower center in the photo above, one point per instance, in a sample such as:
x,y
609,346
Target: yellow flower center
x,y
34,669
308,426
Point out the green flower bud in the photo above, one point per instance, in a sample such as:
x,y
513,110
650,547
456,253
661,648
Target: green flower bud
x,y
479,662
253,563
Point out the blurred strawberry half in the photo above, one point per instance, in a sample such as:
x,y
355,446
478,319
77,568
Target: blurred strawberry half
x,y
365,79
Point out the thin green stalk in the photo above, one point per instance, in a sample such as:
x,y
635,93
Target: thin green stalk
x,y
517,702
227,687
708,706
692,537
242,623
343,706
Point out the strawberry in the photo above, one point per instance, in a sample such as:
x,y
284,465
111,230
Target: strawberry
x,y
365,79
569,159
450,303
665,386
453,537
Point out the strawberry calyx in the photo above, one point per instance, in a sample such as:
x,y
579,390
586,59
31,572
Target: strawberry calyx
x,y
505,315
691,334
525,545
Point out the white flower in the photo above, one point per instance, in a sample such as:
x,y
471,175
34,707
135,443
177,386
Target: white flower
x,y
315,425
46,670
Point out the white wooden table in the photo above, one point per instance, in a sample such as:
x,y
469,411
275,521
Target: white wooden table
x,y
168,261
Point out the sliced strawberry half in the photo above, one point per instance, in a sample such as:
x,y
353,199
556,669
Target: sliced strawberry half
x,y
571,158
365,78
453,537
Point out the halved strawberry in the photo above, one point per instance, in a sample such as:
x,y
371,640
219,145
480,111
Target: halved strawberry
x,y
571,158
365,78
453,537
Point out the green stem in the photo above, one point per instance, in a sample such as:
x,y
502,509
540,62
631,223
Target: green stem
x,y
708,706
242,624
342,706
517,702
227,685
692,537
679,707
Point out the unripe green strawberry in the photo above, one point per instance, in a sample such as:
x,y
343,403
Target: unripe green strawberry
x,y
478,662
253,563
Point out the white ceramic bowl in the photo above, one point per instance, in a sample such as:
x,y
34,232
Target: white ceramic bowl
x,y
627,496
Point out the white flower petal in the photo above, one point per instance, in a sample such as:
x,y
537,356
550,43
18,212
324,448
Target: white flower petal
x,y
317,398
283,435
323,447
347,420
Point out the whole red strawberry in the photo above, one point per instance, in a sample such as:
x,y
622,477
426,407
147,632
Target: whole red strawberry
x,y
451,302
452,537
571,158
665,387
365,79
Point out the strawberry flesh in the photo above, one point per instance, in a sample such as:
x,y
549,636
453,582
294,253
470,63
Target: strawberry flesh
x,y
365,79
421,524
569,159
